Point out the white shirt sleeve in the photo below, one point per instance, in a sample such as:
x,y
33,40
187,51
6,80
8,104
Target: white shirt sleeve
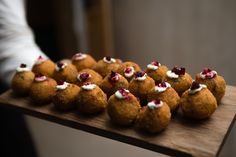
x,y
16,39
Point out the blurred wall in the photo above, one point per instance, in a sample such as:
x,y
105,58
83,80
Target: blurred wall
x,y
195,34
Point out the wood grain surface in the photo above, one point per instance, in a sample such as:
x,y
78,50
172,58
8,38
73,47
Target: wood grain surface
x,y
182,137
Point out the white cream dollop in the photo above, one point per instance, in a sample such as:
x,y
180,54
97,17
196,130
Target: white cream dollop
x,y
152,105
152,67
20,69
89,86
129,74
198,89
112,60
62,67
162,89
204,76
171,74
141,78
40,79
79,56
119,95
63,86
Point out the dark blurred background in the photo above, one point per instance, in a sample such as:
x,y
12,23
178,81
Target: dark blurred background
x,y
63,28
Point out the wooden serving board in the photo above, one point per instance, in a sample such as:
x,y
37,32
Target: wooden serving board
x,y
181,138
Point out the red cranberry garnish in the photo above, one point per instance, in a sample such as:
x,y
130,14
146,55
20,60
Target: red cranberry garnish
x,y
195,85
157,101
178,70
113,74
163,84
128,70
206,70
108,58
124,93
208,73
156,63
40,57
113,77
139,74
60,64
23,65
60,82
84,76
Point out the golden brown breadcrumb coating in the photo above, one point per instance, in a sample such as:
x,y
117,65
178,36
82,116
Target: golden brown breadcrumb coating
x,y
170,96
199,105
66,99
86,63
141,88
91,101
68,74
216,85
21,82
123,111
119,60
154,120
43,92
180,84
94,77
104,68
110,87
158,75
45,68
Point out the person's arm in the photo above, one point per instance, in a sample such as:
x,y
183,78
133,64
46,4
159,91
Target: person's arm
x,y
16,39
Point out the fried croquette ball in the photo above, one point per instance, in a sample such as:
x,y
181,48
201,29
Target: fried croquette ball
x,y
44,66
91,99
214,82
123,107
179,79
157,71
22,80
88,75
154,117
141,85
198,102
166,93
106,65
127,69
66,96
66,72
42,89
119,61
112,82
83,61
